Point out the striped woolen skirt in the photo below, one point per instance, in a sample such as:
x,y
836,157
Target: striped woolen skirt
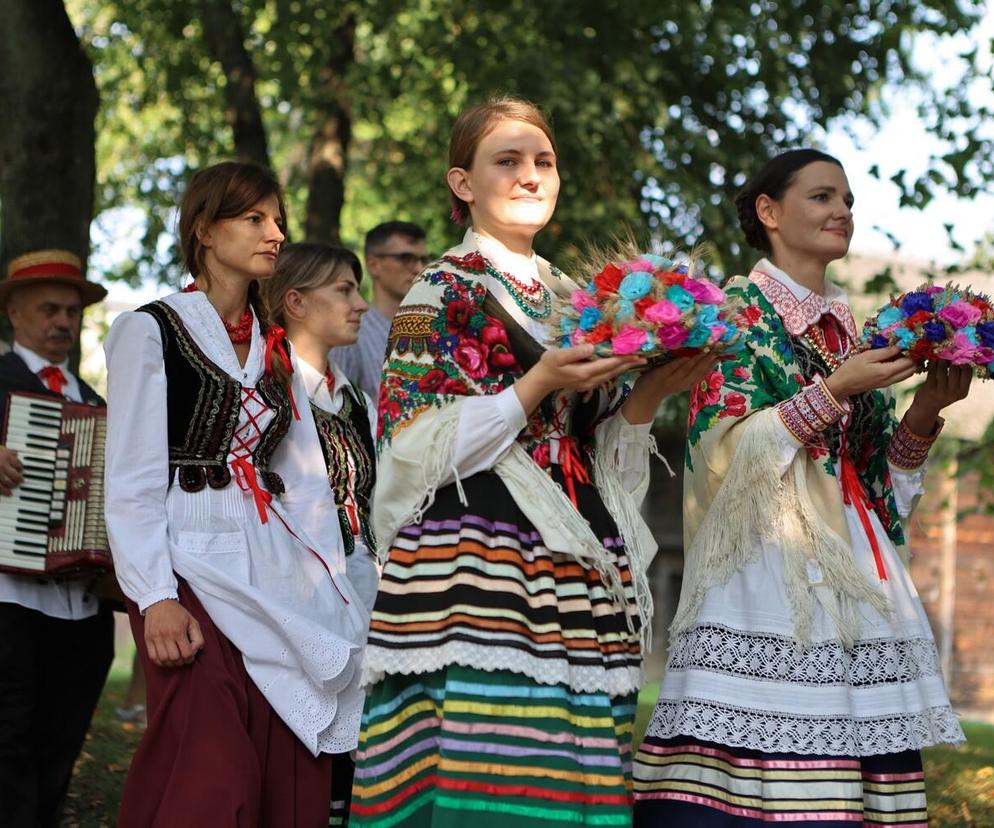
x,y
688,782
464,747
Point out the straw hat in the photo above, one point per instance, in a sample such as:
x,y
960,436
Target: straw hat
x,y
46,267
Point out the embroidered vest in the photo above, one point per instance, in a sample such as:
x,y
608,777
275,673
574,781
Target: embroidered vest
x,y
350,458
203,404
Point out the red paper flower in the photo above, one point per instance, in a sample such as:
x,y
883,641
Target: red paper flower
x,y
642,304
608,279
598,333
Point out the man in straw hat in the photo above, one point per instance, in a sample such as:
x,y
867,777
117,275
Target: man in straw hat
x,y
56,643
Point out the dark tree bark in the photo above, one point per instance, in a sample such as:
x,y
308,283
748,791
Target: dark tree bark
x,y
226,44
328,155
49,102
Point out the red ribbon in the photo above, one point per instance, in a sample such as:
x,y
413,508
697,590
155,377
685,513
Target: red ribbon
x,y
248,481
276,343
853,494
572,465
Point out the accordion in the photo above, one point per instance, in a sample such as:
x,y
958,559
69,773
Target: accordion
x,y
53,523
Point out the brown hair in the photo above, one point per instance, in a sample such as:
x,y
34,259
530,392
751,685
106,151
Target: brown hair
x,y
475,123
305,266
223,191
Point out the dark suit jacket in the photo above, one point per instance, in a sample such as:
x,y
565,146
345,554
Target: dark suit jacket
x,y
16,376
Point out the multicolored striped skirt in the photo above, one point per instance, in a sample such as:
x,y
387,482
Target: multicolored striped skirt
x,y
464,747
687,782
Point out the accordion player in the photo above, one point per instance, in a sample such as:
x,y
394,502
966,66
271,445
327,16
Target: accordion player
x,y
53,522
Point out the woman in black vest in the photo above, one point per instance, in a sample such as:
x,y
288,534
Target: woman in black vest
x,y
314,295
225,537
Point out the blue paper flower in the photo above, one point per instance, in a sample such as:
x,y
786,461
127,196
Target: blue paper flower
x,y
889,315
970,332
658,262
985,330
905,338
934,331
635,285
916,301
699,335
567,324
707,315
591,288
879,341
589,317
649,344
679,297
625,309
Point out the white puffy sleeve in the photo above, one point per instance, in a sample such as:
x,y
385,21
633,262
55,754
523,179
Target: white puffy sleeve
x,y
137,462
487,427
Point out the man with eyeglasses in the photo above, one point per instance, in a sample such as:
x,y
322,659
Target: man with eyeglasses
x,y
395,254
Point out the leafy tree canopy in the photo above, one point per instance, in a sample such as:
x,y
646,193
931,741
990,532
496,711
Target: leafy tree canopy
x,y
661,108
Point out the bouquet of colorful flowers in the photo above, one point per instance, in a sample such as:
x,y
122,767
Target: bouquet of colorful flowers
x,y
936,322
647,305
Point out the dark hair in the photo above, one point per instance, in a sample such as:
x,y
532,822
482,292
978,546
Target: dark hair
x,y
772,180
305,266
476,122
382,233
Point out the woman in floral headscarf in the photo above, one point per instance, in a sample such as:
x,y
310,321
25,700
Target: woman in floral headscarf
x,y
504,651
803,678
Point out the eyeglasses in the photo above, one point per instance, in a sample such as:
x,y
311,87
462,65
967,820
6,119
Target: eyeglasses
x,y
408,259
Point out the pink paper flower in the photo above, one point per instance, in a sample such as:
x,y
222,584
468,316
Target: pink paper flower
x,y
704,291
960,351
582,300
672,336
628,340
959,314
931,290
638,266
663,312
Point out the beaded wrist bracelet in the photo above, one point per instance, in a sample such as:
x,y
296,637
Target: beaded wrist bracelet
x,y
810,411
908,450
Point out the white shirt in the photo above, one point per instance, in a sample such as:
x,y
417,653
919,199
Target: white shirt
x,y
69,599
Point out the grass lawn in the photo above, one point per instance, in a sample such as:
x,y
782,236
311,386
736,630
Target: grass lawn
x,y
960,781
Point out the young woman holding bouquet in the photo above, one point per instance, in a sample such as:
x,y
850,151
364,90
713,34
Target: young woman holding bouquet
x,y
225,537
504,651
803,678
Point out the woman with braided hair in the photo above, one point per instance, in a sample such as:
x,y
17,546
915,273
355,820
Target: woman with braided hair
x,y
225,537
802,678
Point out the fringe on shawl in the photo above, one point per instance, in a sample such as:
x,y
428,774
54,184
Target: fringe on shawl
x,y
562,527
623,506
409,471
754,499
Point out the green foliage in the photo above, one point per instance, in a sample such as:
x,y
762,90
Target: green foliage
x,y
661,108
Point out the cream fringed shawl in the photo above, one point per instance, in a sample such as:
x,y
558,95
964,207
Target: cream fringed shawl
x,y
443,348
734,492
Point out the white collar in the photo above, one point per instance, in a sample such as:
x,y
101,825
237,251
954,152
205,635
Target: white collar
x,y
317,388
798,306
36,362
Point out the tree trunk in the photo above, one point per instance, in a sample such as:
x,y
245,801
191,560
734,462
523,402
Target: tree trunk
x,y
49,102
226,44
328,155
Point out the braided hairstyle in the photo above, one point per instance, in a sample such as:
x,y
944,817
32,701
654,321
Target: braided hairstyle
x,y
772,180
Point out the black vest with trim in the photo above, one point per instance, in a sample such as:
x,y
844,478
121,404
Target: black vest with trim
x,y
203,405
345,437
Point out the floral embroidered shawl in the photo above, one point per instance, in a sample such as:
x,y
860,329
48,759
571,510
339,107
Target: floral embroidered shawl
x,y
733,491
447,343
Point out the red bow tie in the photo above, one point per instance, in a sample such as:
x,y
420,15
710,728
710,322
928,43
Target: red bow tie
x,y
53,377
329,380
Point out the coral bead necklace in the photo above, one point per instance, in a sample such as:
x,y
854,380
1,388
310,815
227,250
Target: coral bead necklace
x,y
241,331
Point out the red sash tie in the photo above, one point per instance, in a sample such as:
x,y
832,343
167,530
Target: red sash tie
x,y
854,494
572,465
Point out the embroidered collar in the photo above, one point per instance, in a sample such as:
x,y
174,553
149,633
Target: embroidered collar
x,y
798,306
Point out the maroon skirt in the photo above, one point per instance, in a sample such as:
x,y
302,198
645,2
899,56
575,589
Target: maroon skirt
x,y
215,753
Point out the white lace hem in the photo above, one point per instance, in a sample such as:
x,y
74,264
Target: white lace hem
x,y
772,732
381,661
